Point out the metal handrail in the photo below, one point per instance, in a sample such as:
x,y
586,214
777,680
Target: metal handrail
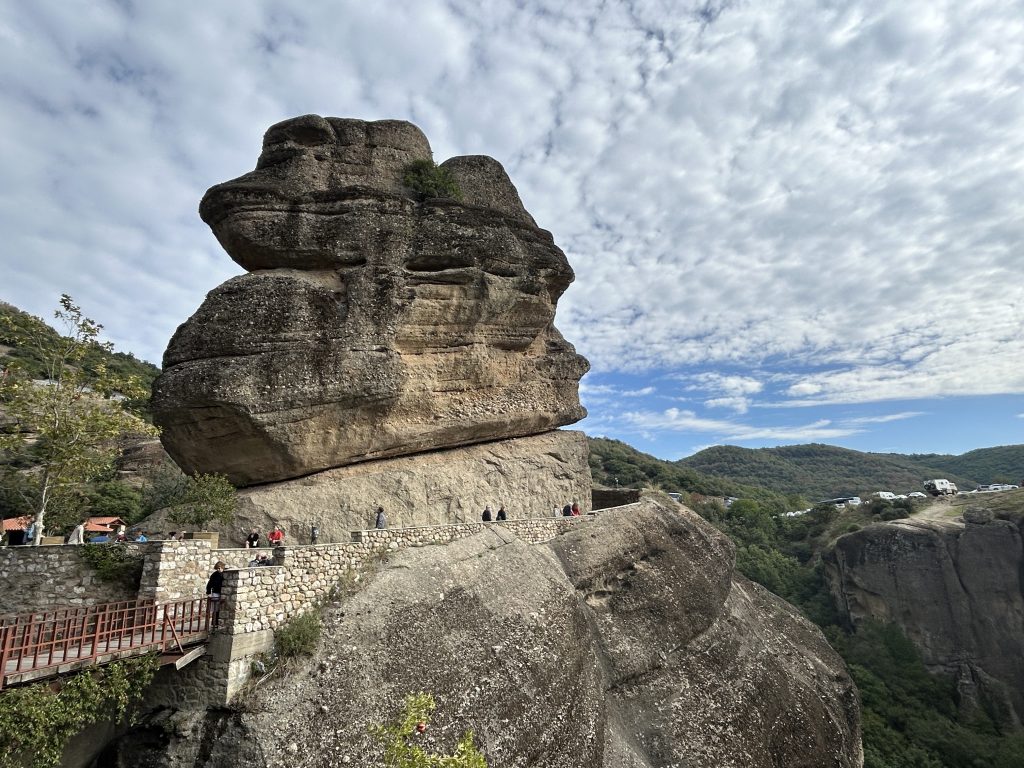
x,y
50,639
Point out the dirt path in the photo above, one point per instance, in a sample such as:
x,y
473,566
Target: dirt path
x,y
940,510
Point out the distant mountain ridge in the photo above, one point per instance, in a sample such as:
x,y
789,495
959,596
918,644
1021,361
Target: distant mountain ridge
x,y
826,470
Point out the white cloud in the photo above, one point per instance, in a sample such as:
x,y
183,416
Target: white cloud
x,y
885,419
738,404
827,197
642,392
677,420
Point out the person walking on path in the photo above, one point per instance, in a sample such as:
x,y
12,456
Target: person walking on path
x,y
314,533
558,512
252,541
276,536
213,590
382,521
486,516
502,515
77,535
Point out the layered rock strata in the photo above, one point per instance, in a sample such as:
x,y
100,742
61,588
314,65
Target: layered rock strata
x,y
955,590
369,324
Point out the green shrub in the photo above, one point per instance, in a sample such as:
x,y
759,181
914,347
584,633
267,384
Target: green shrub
x,y
402,751
205,498
429,180
299,637
115,562
36,722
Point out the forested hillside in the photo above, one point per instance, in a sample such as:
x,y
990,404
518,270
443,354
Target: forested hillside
x,y
823,471
1002,464
613,463
13,324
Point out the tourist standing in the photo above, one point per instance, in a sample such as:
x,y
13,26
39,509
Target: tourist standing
x,y
502,515
276,536
575,508
486,516
314,533
381,523
252,541
77,534
213,590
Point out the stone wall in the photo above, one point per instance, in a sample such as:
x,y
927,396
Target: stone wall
x,y
41,578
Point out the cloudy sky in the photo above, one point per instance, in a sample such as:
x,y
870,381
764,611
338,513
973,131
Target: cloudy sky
x,y
790,221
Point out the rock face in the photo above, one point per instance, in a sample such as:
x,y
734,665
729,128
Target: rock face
x,y
529,475
628,642
369,324
955,590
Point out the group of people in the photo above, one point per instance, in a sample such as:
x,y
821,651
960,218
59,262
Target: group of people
x,y
569,510
501,515
275,538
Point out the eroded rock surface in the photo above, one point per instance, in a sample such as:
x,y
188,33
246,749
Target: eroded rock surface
x,y
529,475
628,642
369,324
956,592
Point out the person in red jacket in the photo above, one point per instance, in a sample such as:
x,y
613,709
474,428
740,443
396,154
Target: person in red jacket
x,y
575,508
276,536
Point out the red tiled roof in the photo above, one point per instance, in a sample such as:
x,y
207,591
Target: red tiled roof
x,y
17,523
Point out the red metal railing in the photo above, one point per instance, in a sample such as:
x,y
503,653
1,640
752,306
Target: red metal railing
x,y
78,636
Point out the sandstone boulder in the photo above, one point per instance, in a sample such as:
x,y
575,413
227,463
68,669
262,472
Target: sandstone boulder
x,y
369,325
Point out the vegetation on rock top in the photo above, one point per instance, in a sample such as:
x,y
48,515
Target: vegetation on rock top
x,y
429,180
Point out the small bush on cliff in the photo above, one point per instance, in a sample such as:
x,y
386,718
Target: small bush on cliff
x,y
399,740
429,180
299,637
205,498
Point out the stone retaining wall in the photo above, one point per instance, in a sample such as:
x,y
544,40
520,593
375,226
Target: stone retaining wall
x,y
57,576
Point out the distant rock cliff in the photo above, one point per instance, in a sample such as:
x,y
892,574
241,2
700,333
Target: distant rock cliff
x,y
369,325
954,589
628,642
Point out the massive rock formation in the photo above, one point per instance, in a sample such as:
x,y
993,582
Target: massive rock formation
x,y
628,642
954,589
369,324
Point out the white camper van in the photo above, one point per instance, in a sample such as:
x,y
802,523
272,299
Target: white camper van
x,y
940,488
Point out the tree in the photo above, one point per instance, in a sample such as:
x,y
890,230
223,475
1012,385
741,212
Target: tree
x,y
64,427
205,498
401,751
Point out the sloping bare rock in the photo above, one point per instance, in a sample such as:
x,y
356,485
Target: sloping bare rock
x,y
955,591
529,475
555,656
369,325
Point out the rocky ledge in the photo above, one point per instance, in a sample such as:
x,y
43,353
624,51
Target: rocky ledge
x,y
627,642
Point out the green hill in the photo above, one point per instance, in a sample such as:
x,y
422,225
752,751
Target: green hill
x,y
613,463
120,363
1002,464
826,471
